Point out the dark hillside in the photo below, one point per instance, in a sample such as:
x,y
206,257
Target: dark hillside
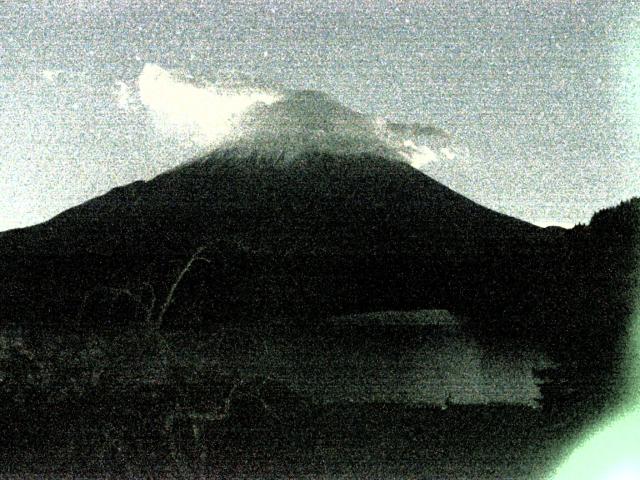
x,y
321,235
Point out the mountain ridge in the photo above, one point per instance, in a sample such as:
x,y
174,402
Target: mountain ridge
x,y
319,234
310,174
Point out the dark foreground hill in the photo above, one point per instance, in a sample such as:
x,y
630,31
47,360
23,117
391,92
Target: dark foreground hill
x,y
321,235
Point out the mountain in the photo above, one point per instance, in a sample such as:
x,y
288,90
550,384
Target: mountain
x,y
319,234
121,299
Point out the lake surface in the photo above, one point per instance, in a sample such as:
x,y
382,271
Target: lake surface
x,y
416,357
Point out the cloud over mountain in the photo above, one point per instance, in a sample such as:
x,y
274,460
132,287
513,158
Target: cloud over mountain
x,y
276,122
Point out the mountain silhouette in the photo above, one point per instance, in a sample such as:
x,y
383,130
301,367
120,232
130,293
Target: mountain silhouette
x,y
318,234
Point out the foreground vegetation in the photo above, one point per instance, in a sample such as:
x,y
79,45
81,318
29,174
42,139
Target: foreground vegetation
x,y
162,405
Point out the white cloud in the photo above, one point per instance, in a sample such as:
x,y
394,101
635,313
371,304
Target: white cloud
x,y
207,114
418,155
51,76
124,95
547,222
448,153
276,122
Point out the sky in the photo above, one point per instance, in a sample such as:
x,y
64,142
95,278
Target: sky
x,y
540,101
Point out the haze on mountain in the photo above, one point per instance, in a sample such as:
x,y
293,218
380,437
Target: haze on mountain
x,y
254,213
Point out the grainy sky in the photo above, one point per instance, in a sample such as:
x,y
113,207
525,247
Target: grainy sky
x,y
544,95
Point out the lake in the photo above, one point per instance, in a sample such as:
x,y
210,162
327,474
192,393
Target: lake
x,y
404,357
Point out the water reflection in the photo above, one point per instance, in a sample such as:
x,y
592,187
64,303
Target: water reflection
x,y
412,357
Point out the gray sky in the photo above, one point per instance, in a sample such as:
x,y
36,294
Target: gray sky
x,y
544,95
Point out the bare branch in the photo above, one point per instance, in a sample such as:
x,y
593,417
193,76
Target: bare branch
x,y
197,256
229,399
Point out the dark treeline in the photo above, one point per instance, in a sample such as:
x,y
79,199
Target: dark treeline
x,y
595,310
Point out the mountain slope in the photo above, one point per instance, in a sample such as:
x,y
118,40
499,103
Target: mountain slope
x,y
320,234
